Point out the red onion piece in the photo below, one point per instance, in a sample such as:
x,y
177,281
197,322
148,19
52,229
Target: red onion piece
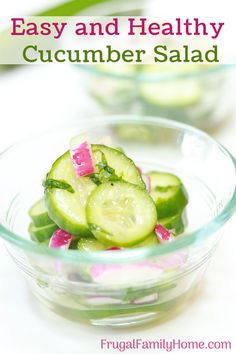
x,y
163,234
173,261
139,170
82,159
120,274
147,181
60,239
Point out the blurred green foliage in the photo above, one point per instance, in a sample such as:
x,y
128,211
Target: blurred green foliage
x,y
69,8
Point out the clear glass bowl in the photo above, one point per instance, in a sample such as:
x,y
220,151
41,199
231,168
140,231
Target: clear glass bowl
x,y
132,286
198,94
202,97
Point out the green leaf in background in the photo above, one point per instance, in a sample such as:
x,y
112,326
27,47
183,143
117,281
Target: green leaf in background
x,y
69,8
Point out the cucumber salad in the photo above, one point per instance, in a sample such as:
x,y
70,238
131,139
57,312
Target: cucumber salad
x,y
190,93
96,198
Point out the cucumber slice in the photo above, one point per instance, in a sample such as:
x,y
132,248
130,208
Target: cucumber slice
x,y
39,214
168,193
119,149
173,223
124,167
67,209
41,234
120,214
46,243
180,93
90,244
149,241
120,69
172,93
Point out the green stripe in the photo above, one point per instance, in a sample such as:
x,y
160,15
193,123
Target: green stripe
x,y
69,8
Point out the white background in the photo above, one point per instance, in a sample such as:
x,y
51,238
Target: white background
x,y
32,99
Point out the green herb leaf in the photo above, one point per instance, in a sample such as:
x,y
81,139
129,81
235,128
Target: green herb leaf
x,y
105,172
94,177
54,183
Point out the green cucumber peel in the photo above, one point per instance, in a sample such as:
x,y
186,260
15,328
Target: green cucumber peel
x,y
162,188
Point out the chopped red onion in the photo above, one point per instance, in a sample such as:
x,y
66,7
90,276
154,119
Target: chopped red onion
x,y
147,181
82,159
120,274
60,239
163,234
139,170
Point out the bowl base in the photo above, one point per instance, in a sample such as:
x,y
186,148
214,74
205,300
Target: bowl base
x,y
120,318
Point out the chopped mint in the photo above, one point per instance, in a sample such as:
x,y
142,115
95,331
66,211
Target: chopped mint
x,y
105,172
54,183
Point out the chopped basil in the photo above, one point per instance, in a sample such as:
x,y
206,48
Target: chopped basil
x,y
54,183
105,172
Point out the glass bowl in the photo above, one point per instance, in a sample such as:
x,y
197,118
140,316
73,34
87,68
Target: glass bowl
x,y
198,94
133,286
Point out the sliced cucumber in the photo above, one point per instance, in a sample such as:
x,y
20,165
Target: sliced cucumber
x,y
164,179
67,209
41,234
150,240
39,214
180,93
119,69
124,167
119,149
120,214
168,194
175,224
171,93
46,243
90,244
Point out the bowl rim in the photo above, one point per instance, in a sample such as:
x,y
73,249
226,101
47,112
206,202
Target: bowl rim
x,y
155,77
127,255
